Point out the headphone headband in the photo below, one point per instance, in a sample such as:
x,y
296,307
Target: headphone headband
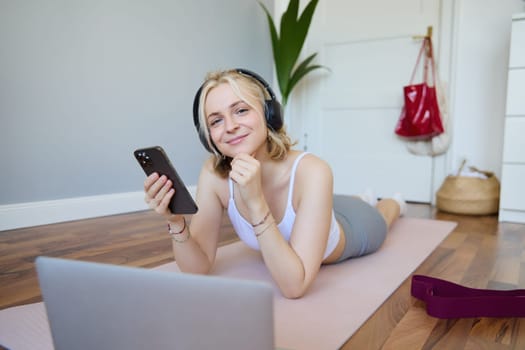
x,y
260,79
272,107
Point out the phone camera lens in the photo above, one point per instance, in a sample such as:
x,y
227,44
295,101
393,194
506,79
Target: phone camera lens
x,y
146,161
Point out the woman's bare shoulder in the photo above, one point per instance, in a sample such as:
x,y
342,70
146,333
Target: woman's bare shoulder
x,y
208,170
314,178
211,182
312,165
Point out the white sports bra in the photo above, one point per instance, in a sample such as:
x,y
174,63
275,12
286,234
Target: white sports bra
x,y
245,230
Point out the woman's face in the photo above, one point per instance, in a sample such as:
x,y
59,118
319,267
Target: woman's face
x,y
235,127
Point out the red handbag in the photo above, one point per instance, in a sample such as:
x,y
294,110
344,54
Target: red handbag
x,y
420,117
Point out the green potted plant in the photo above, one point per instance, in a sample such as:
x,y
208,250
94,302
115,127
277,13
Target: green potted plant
x,y
287,45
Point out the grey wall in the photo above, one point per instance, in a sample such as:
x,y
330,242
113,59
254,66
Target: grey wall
x,y
85,82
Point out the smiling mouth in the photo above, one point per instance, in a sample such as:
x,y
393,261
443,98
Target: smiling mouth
x,y
236,140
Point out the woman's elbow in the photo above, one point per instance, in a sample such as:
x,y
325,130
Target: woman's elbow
x,y
196,269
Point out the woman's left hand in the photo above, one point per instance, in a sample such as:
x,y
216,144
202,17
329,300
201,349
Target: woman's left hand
x,y
246,172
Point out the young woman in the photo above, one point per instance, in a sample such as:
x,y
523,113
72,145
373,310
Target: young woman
x,y
280,201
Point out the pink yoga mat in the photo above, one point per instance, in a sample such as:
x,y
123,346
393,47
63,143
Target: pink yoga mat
x,y
338,303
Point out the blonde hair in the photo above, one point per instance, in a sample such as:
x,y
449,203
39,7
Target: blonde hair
x,y
250,91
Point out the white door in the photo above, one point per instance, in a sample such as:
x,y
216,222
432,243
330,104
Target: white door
x,y
348,115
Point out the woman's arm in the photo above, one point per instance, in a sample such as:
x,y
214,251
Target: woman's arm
x,y
296,268
197,254
194,247
295,264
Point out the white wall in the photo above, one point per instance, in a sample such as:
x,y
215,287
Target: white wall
x,y
480,79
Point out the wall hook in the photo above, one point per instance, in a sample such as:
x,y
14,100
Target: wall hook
x,y
429,34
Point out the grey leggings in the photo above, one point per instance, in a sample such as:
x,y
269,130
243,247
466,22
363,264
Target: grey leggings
x,y
365,228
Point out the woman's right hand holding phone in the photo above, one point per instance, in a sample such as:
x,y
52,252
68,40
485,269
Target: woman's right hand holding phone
x,y
158,191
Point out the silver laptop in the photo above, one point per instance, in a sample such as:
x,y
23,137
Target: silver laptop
x,y
100,306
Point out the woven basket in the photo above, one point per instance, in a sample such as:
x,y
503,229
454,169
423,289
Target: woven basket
x,y
469,195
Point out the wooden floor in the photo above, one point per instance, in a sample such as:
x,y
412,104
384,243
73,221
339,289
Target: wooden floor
x,y
480,253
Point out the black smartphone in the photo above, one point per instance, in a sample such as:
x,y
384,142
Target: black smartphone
x,y
155,160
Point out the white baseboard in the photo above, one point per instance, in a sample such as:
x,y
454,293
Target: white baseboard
x,y
516,216
13,216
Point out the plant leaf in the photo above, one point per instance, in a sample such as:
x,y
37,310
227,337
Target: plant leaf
x,y
299,74
290,15
306,18
301,71
294,31
288,44
273,34
306,62
293,34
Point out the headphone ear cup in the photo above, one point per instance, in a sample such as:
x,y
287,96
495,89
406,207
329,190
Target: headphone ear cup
x,y
196,120
205,142
274,114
